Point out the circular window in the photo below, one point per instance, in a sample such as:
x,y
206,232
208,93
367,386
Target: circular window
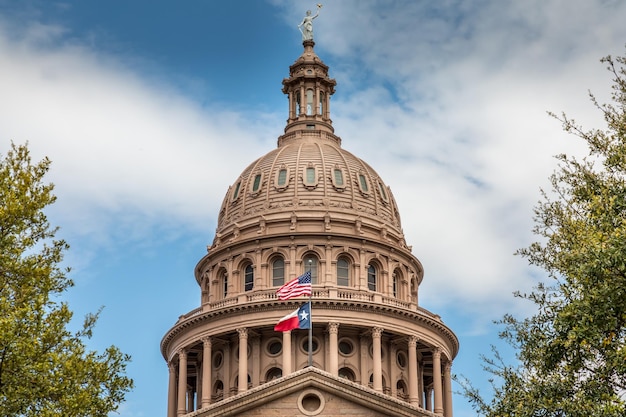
x,y
218,359
274,347
401,358
346,347
305,345
311,402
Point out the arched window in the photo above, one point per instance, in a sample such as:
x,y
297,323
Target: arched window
x,y
218,390
395,285
278,272
343,272
248,278
321,103
298,101
309,102
402,390
310,263
371,278
224,283
273,373
347,373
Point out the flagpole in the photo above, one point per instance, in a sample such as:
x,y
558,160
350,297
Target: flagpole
x,y
311,319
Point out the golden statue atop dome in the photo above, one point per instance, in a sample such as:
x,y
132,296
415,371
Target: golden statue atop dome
x,y
306,26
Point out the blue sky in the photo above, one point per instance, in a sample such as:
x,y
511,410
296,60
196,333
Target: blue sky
x,y
149,110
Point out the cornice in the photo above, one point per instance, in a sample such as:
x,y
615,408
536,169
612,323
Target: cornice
x,y
198,317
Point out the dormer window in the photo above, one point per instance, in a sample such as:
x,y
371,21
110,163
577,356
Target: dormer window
x,y
282,177
236,190
383,193
281,180
310,177
338,179
363,185
256,184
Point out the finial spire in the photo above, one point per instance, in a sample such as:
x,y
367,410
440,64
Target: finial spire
x,y
306,26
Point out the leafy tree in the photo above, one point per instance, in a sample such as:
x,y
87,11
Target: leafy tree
x,y
572,352
45,370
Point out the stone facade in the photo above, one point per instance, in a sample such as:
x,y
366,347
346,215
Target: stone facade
x,y
309,205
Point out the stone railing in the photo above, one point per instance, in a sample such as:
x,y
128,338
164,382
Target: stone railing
x,y
327,293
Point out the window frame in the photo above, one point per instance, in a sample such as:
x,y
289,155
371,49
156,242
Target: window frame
x,y
248,278
342,259
372,272
275,283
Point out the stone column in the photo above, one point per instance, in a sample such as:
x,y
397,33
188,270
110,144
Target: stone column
x,y
420,382
171,391
286,353
447,389
429,398
413,372
333,330
243,359
364,364
256,360
226,368
437,381
206,371
377,358
393,368
182,382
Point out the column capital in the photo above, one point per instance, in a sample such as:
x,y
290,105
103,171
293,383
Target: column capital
x,y
437,353
447,366
377,332
206,341
243,332
333,327
413,341
182,354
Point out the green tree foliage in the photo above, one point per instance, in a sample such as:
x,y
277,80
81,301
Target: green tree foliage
x,y
45,370
572,352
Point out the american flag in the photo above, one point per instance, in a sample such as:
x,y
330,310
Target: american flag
x,y
295,288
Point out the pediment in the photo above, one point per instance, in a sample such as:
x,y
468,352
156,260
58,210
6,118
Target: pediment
x,y
311,392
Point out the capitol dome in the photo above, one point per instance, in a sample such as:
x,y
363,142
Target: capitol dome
x,y
309,208
309,175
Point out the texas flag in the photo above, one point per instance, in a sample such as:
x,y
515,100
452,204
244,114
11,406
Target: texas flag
x,y
298,319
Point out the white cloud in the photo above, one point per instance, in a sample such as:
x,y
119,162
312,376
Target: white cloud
x,y
446,100
469,143
118,144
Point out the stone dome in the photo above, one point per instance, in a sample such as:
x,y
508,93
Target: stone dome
x,y
309,172
309,176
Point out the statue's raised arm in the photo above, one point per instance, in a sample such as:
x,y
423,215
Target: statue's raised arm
x,y
306,26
